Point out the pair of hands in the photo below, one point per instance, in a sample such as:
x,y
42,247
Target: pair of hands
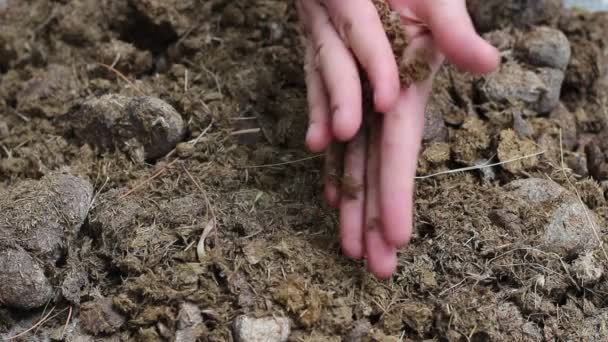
x,y
340,35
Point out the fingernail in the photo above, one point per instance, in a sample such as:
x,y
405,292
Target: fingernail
x,y
310,134
376,99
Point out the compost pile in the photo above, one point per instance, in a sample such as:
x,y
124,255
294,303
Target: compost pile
x,y
153,185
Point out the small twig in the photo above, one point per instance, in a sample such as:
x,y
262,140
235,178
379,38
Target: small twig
x,y
186,81
67,322
185,35
116,60
246,131
244,118
7,151
479,167
197,139
99,191
200,188
215,79
453,287
151,178
123,77
283,164
211,223
19,115
200,247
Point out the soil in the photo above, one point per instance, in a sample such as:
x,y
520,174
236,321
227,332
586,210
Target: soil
x,y
155,185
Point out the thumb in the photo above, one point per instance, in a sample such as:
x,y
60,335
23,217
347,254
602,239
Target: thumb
x,y
453,33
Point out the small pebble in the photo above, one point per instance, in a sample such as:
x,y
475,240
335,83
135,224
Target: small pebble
x,y
268,329
570,227
184,150
190,325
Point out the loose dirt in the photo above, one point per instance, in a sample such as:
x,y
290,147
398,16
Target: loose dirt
x,y
154,184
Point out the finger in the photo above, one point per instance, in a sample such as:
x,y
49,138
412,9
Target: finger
x,y
319,128
453,33
402,134
333,171
352,205
359,24
338,70
381,255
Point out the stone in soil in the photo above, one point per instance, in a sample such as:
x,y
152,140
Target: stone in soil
x,y
190,325
570,227
23,284
512,85
268,329
144,127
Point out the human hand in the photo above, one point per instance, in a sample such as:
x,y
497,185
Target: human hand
x,y
375,192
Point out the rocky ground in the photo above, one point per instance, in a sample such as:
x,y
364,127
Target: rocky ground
x,y
154,183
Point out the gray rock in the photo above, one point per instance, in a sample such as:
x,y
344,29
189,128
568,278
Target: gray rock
x,y
546,47
23,284
144,127
268,329
553,80
190,323
512,84
521,126
568,230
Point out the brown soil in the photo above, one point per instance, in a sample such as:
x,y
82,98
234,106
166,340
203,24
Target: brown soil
x,y
182,240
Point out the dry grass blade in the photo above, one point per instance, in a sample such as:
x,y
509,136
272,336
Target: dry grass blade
x,y
67,322
193,142
283,164
246,131
200,247
211,222
151,178
480,167
123,77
